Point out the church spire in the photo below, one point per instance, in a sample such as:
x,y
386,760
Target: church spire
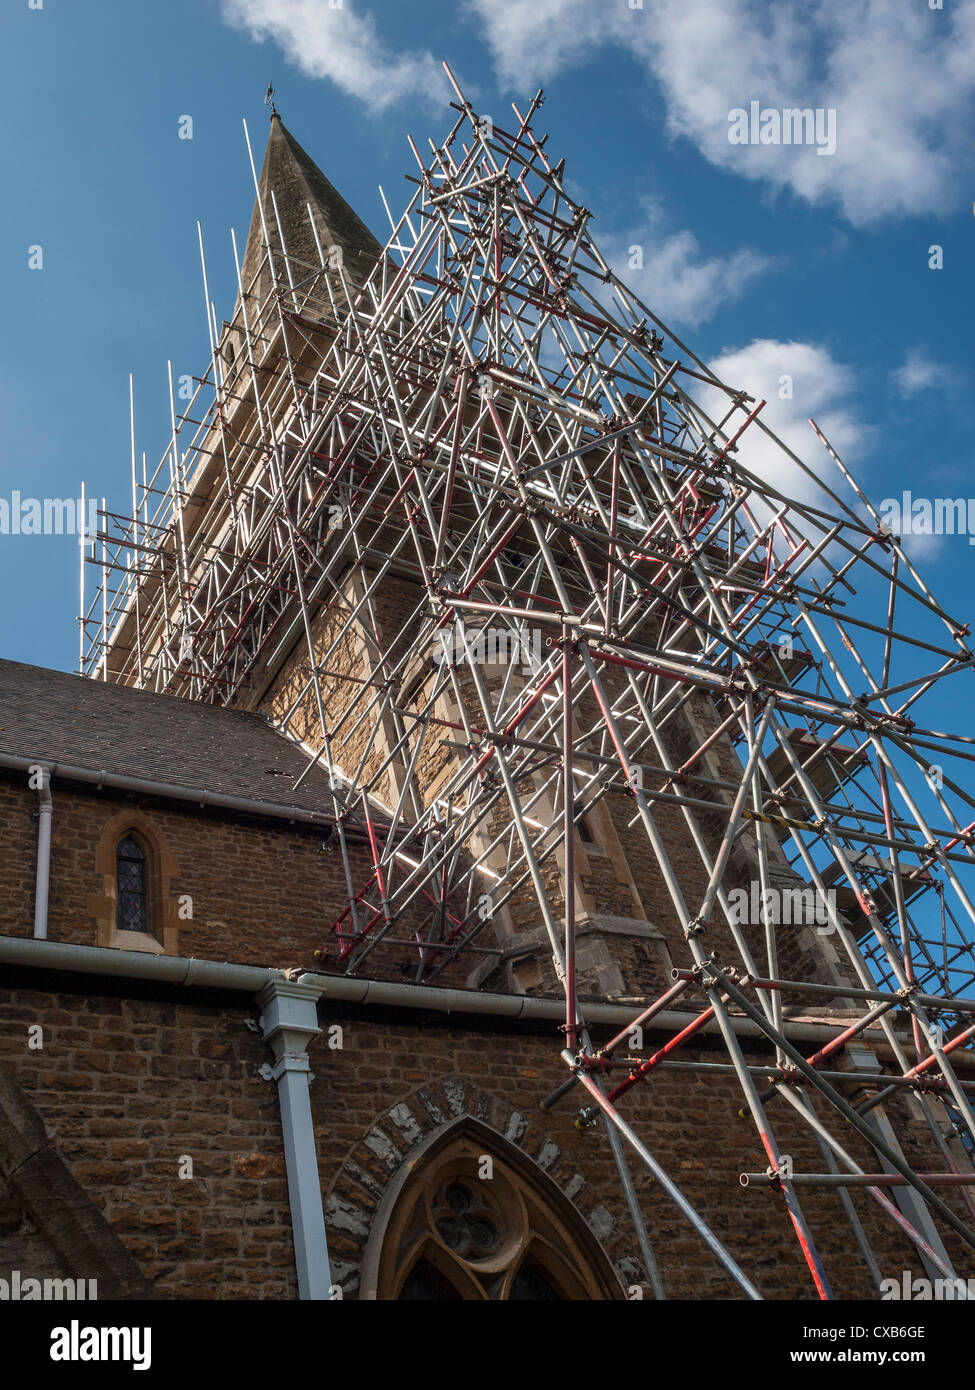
x,y
297,183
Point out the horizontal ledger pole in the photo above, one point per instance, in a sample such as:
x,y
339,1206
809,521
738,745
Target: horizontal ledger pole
x,y
928,1001
759,1180
862,1127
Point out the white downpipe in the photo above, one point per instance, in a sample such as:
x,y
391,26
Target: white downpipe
x,y
43,883
289,1021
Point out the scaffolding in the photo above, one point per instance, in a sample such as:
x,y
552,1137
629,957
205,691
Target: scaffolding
x,y
610,594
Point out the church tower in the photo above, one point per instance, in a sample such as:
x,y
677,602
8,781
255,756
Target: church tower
x,y
465,523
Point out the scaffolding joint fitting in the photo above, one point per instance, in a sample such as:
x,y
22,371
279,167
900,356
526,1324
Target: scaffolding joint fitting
x,y
697,927
596,1062
587,1117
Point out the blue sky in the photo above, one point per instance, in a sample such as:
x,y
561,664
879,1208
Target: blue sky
x,y
764,258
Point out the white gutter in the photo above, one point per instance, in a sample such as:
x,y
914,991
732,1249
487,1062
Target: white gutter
x,y
190,972
43,881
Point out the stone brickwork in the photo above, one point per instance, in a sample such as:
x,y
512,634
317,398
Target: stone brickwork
x,y
129,1088
262,892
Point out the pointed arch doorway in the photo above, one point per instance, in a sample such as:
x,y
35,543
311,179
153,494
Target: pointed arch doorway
x,y
470,1217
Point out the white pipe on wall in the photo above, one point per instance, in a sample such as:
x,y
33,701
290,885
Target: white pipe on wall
x,y
43,882
289,1021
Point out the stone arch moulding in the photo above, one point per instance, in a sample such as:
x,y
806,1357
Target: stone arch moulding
x,y
162,937
378,1168
508,1235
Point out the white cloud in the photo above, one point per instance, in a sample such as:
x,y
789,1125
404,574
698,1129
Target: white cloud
x,y
670,273
919,373
821,388
340,45
531,43
901,79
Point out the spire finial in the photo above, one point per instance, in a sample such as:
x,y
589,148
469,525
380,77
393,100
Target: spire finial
x,y
269,99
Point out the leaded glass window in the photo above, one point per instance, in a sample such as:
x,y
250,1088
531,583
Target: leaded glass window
x,y
133,895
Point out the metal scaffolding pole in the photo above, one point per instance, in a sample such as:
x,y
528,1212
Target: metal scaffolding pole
x,y
524,562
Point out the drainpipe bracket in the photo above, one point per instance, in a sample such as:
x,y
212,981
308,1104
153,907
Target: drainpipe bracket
x,y
286,1061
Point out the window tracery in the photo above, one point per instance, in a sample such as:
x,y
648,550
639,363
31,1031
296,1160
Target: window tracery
x,y
473,1222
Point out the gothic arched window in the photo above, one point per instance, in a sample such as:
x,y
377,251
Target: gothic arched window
x,y
132,873
476,1219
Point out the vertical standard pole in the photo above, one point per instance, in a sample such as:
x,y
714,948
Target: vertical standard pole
x,y
856,1225
636,1214
136,555
104,656
82,547
568,833
671,1189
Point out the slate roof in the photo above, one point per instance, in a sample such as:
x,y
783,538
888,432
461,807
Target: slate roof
x,y
60,718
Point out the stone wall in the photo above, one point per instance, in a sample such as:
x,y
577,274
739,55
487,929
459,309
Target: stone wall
x,y
129,1088
261,892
